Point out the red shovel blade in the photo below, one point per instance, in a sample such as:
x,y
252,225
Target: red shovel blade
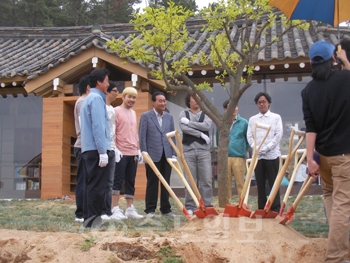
x,y
207,212
231,211
263,214
184,210
283,205
288,217
236,211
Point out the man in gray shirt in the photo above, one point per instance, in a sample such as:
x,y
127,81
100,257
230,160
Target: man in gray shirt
x,y
195,126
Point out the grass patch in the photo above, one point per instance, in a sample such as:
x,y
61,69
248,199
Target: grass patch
x,y
58,216
167,255
87,244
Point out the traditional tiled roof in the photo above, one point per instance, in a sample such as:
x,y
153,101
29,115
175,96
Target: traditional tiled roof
x,y
30,52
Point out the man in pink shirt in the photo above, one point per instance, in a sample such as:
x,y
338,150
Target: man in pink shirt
x,y
127,154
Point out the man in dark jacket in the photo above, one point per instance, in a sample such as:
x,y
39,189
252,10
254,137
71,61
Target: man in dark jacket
x,y
326,110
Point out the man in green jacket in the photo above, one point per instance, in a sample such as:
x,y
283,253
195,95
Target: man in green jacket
x,y
237,149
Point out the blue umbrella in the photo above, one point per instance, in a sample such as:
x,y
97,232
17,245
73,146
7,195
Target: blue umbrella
x,y
332,12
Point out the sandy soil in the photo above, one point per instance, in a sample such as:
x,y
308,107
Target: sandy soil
x,y
214,240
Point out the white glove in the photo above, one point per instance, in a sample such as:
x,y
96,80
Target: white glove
x,y
264,150
184,120
140,156
118,155
103,160
205,137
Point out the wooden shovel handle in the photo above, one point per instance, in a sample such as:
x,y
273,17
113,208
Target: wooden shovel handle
x,y
169,136
179,151
297,164
176,166
253,161
283,170
150,162
311,179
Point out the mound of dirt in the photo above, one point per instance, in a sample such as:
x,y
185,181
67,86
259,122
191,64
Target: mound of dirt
x,y
213,240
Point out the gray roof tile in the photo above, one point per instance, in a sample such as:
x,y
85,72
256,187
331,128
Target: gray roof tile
x,y
30,52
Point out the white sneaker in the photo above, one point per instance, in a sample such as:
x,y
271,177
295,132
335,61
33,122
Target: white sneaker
x,y
78,219
105,217
190,212
151,214
118,213
131,212
171,214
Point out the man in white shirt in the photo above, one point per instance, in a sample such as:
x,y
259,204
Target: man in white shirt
x,y
111,95
269,154
84,90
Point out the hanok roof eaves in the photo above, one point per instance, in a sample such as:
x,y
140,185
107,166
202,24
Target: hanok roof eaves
x,y
71,41
43,54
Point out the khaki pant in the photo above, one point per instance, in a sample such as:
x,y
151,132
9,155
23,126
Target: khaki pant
x,y
237,167
335,175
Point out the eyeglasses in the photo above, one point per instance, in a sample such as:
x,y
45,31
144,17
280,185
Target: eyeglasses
x,y
262,102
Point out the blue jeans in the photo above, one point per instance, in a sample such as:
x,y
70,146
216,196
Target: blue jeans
x,y
107,205
79,189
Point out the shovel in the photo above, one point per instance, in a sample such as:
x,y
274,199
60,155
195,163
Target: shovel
x,y
150,162
241,208
177,168
297,163
282,160
266,212
288,217
208,211
245,201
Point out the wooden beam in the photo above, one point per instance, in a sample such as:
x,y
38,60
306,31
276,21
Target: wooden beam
x,y
58,90
19,79
84,59
43,91
68,89
125,64
72,65
13,91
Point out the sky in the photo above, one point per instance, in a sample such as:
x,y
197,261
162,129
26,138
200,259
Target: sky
x,y
200,3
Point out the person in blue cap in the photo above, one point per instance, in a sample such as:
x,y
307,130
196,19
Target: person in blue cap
x,y
326,110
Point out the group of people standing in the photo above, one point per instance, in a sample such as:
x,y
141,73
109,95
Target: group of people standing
x,y
107,150
109,146
195,126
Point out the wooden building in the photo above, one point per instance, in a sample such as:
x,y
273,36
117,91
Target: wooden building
x,y
44,65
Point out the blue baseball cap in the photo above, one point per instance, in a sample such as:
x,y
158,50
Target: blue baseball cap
x,y
321,49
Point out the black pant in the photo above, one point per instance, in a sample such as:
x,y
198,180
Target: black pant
x,y
152,187
267,170
125,171
96,186
79,189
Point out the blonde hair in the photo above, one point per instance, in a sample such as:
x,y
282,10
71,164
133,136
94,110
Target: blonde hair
x,y
129,90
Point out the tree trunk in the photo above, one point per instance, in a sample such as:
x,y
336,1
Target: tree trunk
x,y
224,193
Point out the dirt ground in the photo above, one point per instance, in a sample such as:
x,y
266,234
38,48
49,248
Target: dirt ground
x,y
214,240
